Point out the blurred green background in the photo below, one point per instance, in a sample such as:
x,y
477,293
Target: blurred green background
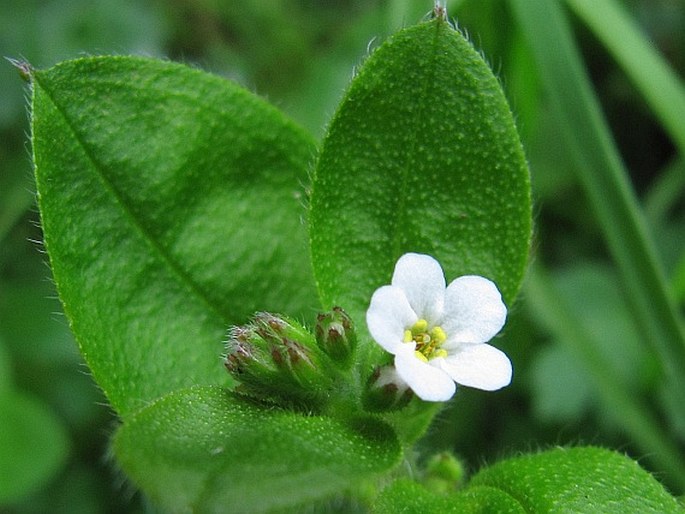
x,y
300,54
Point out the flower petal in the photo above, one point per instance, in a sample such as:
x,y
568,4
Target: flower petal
x,y
388,316
473,312
422,280
478,365
430,383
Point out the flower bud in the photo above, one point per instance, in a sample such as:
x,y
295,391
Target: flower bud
x,y
273,327
275,357
293,349
335,335
386,391
248,358
444,473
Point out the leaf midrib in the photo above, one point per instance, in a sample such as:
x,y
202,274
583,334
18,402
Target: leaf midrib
x,y
176,270
404,171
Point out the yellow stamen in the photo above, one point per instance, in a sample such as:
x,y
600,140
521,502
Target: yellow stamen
x,y
419,327
428,342
438,335
420,356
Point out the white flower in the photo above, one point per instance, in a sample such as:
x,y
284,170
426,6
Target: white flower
x,y
438,333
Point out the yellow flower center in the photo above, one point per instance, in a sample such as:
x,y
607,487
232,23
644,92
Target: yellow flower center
x,y
428,342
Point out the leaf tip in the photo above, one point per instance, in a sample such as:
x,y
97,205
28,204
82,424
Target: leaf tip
x,y
439,14
23,67
440,10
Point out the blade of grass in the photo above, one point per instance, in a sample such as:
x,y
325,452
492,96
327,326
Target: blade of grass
x,y
660,86
666,191
678,281
663,196
638,422
604,179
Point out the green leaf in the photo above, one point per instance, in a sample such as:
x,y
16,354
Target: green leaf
x,y
6,381
205,450
171,207
33,445
407,496
423,156
579,480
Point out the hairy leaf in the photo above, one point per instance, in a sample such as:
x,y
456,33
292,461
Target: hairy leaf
x,y
170,202
204,450
406,496
580,480
421,156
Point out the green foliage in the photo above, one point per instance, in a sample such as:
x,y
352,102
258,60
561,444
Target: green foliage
x,y
580,480
605,181
5,368
599,169
157,246
33,444
593,297
183,191
657,82
170,203
423,156
205,450
407,496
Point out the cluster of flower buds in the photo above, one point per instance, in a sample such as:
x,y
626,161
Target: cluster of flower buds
x,y
276,358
